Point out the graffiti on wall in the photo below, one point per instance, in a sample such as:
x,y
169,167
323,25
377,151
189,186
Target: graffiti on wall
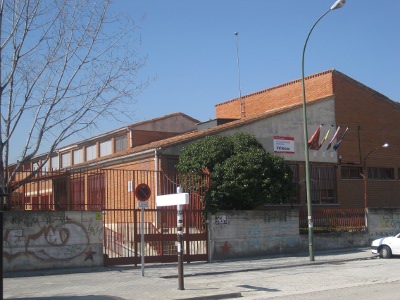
x,y
50,238
254,235
388,225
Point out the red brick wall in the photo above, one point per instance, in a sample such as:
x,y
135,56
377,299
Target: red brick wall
x,y
317,86
373,120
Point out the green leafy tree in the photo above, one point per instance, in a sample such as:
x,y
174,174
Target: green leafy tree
x,y
243,175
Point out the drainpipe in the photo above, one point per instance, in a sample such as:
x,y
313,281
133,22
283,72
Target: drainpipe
x,y
157,169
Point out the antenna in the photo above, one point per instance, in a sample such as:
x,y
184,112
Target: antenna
x,y
242,110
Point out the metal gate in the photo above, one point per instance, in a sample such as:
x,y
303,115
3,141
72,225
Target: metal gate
x,y
112,191
122,218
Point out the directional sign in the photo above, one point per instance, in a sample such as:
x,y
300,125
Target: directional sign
x,y
173,199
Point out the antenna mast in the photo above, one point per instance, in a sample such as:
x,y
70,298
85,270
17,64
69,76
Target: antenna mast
x,y
242,109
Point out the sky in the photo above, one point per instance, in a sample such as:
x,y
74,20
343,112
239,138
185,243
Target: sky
x,y
193,53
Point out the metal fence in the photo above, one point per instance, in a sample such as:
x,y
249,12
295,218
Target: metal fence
x,y
114,193
333,219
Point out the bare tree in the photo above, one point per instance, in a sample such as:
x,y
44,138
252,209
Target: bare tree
x,y
62,71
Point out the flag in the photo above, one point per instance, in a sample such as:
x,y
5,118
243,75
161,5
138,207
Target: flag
x,y
325,137
313,143
341,139
333,138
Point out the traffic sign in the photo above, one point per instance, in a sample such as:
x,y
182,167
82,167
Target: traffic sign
x,y
142,192
173,199
143,204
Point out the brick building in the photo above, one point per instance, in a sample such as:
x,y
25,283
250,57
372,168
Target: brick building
x,y
360,172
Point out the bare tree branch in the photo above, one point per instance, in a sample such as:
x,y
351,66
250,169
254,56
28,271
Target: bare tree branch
x,y
65,65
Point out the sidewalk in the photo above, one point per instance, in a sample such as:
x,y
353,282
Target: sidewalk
x,y
158,282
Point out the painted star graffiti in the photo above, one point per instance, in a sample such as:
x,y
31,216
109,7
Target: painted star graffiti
x,y
89,254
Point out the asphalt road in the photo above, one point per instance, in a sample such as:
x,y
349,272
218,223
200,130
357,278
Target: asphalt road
x,y
353,274
364,279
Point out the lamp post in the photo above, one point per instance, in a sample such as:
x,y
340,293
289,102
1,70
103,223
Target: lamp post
x,y
364,174
336,5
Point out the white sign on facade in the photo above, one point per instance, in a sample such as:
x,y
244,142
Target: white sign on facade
x,y
283,144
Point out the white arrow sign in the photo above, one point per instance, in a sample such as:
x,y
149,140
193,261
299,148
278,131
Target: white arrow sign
x,y
173,199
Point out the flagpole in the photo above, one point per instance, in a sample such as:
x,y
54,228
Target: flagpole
x,y
337,4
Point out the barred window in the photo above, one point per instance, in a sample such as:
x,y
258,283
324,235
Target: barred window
x,y
120,143
381,173
323,185
351,172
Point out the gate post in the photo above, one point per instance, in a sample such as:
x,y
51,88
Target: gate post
x,y
178,199
180,246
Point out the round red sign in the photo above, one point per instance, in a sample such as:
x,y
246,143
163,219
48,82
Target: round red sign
x,y
142,192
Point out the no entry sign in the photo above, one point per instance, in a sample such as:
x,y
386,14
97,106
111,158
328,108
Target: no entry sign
x,y
142,192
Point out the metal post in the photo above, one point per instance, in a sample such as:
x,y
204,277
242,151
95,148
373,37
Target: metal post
x,y
142,239
180,245
336,5
306,152
1,251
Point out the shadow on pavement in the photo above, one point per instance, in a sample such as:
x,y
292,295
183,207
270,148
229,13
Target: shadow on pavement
x,y
89,297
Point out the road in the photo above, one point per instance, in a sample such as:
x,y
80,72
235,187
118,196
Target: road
x,y
329,277
364,279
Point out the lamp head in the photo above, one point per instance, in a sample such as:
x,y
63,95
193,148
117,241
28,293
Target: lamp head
x,y
385,145
338,4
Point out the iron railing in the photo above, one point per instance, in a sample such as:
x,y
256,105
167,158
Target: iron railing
x,y
333,219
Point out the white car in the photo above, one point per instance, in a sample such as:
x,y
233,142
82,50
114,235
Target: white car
x,y
387,246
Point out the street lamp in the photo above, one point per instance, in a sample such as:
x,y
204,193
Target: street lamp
x,y
337,4
364,174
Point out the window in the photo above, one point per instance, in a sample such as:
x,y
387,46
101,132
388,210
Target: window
x,y
54,163
323,185
60,193
77,194
96,192
65,160
381,173
120,143
91,152
351,172
78,156
105,148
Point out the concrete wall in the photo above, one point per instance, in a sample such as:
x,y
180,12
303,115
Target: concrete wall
x,y
383,222
234,234
52,240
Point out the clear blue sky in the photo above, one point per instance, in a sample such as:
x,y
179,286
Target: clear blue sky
x,y
191,48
